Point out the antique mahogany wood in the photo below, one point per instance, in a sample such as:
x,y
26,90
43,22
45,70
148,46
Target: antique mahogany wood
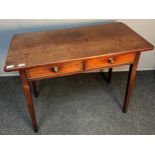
x,y
131,79
109,75
41,55
103,61
39,48
46,71
34,88
28,96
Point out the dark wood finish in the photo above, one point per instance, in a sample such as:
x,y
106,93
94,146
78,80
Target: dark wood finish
x,y
40,48
109,75
28,96
130,83
104,61
41,55
35,88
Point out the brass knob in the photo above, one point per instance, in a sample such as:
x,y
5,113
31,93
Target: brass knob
x,y
111,60
55,69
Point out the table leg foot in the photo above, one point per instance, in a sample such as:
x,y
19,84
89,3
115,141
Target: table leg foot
x,y
124,110
36,130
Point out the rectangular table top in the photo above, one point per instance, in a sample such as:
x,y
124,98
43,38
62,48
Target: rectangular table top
x,y
40,48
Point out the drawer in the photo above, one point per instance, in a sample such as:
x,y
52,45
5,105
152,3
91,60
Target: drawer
x,y
109,61
54,70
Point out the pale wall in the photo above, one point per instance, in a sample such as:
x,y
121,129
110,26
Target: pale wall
x,y
10,27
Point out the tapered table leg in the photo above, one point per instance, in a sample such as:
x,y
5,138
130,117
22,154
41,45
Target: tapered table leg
x,y
28,95
130,83
35,88
109,75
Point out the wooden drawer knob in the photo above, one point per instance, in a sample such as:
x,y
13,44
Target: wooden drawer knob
x,y
111,60
55,69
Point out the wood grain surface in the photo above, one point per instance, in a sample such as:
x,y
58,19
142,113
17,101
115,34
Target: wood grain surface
x,y
104,61
47,71
41,55
41,48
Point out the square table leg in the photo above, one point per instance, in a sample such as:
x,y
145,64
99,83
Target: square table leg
x,y
109,75
34,88
131,80
28,95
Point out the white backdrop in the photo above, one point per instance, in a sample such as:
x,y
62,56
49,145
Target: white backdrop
x,y
10,27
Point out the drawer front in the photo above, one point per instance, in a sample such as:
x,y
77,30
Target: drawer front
x,y
109,61
54,70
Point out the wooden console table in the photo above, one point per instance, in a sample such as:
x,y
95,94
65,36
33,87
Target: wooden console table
x,y
50,54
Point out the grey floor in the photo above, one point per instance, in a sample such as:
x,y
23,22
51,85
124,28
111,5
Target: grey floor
x,y
80,104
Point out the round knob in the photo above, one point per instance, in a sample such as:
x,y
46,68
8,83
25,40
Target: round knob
x,y
111,60
55,69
